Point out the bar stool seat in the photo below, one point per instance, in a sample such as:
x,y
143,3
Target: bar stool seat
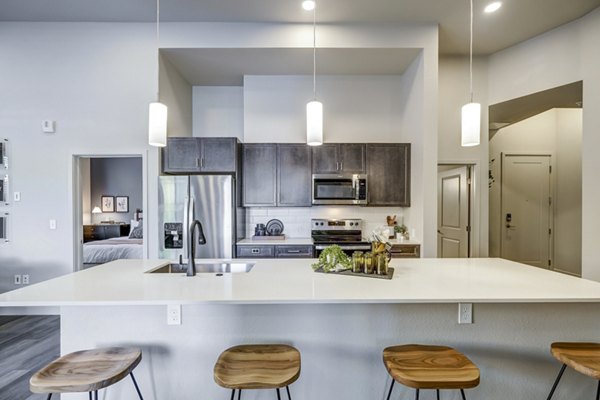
x,y
87,371
430,367
257,366
582,357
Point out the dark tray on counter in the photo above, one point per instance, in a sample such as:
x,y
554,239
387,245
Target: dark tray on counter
x,y
389,275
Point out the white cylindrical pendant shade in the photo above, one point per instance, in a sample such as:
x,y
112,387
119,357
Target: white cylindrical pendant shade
x,y
314,123
471,124
157,125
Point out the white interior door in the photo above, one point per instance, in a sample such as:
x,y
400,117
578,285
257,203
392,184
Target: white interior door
x,y
453,213
526,209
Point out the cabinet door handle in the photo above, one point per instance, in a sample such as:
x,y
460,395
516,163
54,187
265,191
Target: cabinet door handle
x,y
202,162
341,165
337,166
197,162
293,251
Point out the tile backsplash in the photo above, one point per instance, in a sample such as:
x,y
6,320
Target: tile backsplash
x,y
297,219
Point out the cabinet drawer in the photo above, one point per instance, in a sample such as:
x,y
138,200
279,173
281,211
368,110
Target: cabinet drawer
x,y
256,251
294,251
406,251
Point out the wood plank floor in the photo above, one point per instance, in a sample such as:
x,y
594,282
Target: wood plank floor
x,y
27,343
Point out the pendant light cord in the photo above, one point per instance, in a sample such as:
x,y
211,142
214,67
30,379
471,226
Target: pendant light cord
x,y
158,50
471,55
315,52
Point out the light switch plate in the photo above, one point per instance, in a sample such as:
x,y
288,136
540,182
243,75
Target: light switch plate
x,y
17,196
48,126
52,224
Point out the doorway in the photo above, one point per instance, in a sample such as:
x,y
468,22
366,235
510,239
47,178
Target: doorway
x,y
454,211
526,200
109,196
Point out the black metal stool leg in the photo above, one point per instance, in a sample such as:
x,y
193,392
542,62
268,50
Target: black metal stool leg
x,y
49,396
462,393
232,394
417,395
598,392
278,394
562,370
287,388
96,395
137,388
391,387
239,394
90,395
437,394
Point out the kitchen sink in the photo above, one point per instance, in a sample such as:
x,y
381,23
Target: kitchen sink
x,y
205,268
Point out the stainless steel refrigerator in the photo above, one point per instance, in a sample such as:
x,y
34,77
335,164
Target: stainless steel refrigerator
x,y
211,199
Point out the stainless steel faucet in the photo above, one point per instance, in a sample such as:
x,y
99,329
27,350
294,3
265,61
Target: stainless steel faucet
x,y
191,268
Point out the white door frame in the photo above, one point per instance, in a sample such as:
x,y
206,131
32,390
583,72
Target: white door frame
x,y
478,177
552,194
75,200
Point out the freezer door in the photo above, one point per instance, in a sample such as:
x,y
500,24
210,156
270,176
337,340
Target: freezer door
x,y
173,197
213,199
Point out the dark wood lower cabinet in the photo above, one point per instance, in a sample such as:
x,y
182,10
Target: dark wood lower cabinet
x,y
103,232
275,251
406,251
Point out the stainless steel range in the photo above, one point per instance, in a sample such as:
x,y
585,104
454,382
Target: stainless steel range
x,y
346,233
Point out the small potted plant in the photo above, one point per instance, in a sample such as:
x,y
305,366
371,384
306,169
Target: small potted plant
x,y
401,232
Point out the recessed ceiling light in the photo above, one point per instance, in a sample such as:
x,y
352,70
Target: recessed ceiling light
x,y
308,5
490,8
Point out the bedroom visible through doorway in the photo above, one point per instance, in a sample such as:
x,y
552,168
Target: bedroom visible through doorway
x,y
111,209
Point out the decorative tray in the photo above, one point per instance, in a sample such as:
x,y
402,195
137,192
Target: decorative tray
x,y
269,237
389,275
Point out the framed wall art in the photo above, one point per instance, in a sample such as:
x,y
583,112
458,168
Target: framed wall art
x,y
108,204
122,204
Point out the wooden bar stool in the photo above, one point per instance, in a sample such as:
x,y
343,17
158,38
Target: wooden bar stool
x,y
582,357
87,371
258,366
430,367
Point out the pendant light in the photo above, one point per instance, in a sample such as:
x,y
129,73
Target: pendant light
x,y
157,116
314,109
471,112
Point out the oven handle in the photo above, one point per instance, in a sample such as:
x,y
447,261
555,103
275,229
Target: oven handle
x,y
350,247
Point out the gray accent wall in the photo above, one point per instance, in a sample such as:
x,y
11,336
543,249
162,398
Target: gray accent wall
x,y
116,176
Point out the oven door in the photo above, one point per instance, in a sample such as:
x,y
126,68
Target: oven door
x,y
346,248
337,189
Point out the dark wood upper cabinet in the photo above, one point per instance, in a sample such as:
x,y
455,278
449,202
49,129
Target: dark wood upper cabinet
x,y
388,170
335,158
353,158
325,159
219,154
259,175
294,178
200,155
181,155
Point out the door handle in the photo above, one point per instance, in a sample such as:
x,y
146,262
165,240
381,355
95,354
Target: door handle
x,y
440,232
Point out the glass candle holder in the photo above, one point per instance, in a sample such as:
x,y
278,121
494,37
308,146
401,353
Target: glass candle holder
x,y
368,264
358,261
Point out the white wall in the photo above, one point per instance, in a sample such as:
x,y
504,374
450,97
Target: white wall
x,y
96,80
218,111
453,94
176,94
556,132
563,55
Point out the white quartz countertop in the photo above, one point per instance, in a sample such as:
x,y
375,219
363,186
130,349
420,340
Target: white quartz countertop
x,y
276,281
286,241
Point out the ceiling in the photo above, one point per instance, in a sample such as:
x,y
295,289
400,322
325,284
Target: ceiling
x,y
227,67
521,108
516,21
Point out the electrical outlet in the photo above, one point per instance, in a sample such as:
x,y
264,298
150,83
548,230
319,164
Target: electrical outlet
x,y
25,279
17,279
465,313
174,314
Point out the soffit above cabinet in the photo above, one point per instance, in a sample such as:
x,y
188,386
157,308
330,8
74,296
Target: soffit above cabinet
x,y
227,67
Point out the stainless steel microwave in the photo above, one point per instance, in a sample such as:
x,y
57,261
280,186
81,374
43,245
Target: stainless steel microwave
x,y
334,189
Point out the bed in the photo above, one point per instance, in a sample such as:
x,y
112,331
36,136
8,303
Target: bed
x,y
103,251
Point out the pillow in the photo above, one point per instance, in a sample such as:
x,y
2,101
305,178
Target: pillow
x,y
133,224
137,232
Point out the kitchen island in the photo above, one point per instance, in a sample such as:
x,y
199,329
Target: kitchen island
x,y
339,323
